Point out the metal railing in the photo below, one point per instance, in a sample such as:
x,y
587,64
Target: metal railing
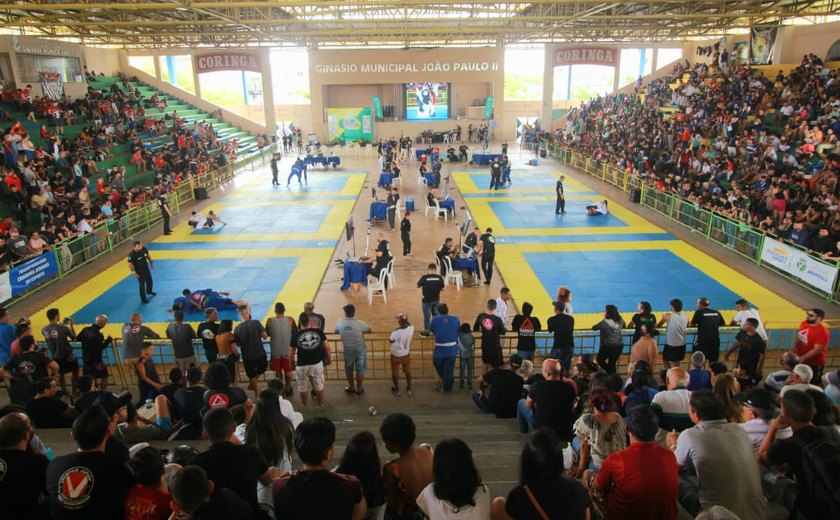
x,y
737,236
379,358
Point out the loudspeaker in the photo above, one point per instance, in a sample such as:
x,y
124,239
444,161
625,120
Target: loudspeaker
x,y
200,193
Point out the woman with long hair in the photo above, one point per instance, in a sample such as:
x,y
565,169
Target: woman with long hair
x,y
401,354
543,491
612,343
644,316
726,386
271,432
457,491
601,432
361,459
564,294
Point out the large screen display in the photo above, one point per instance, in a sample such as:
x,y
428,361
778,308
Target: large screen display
x,y
426,101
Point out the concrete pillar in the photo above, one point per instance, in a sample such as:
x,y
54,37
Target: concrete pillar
x,y
548,87
268,92
616,75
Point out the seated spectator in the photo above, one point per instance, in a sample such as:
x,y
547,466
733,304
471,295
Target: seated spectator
x,y
641,390
800,379
624,483
500,389
671,405
711,448
220,392
286,406
775,381
138,428
406,476
194,494
599,433
301,495
726,387
23,484
271,432
46,410
543,491
758,410
832,386
457,491
149,499
232,466
176,382
361,460
88,483
699,377
549,403
190,400
86,386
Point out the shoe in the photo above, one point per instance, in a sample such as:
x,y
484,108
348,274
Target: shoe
x,y
476,284
152,293
360,391
395,391
409,392
348,390
486,283
425,334
168,233
145,301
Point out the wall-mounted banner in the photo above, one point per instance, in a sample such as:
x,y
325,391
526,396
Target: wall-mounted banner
x,y
350,124
216,61
762,45
797,263
377,106
27,275
593,55
488,107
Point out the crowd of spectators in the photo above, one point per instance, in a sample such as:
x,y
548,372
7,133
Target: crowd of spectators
x,y
58,190
757,149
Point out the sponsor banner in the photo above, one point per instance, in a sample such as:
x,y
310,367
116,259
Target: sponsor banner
x,y
377,106
350,124
27,275
213,62
589,55
488,107
763,45
799,265
52,85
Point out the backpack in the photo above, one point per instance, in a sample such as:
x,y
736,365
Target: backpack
x,y
821,474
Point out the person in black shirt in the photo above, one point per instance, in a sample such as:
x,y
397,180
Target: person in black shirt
x,y
472,246
27,368
207,331
86,385
549,403
505,389
392,201
236,467
93,343
190,401
488,254
316,321
165,212
405,233
563,327
22,471
445,250
274,168
46,410
526,326
560,207
432,284
750,349
140,263
708,322
491,327
89,483
198,496
381,257
58,336
495,175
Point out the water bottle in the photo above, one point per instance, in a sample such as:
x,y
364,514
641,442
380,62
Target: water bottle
x,y
149,404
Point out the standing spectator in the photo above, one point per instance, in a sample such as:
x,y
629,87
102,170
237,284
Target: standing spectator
x,y
715,447
58,336
280,328
526,327
25,369
612,341
466,345
677,323
488,254
147,376
134,334
626,479
93,344
140,263
812,342
401,354
165,213
750,347
405,233
492,328
744,312
249,335
708,322
182,335
457,491
502,305
315,491
562,326
7,335
432,284
560,206
645,348
88,483
316,321
644,316
549,403
207,331
543,490
406,476
500,389
445,329
352,332
310,352
564,295
24,484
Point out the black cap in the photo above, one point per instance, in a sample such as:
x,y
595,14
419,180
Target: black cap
x,y
113,402
758,398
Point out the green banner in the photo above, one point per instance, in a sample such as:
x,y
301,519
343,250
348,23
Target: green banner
x,y
488,107
377,107
350,124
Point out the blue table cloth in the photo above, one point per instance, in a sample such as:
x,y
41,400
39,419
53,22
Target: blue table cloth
x,y
313,159
465,264
386,179
355,272
485,158
333,160
419,153
378,210
430,179
448,204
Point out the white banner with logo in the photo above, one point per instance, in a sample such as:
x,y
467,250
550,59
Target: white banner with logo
x,y
798,264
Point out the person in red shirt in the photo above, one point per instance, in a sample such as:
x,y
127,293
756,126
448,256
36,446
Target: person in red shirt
x,y
640,481
149,499
812,342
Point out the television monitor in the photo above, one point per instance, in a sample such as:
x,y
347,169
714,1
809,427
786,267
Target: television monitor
x,y
349,230
427,101
464,228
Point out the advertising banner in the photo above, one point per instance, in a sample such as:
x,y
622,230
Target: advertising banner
x,y
377,107
762,45
216,61
488,107
798,264
592,55
350,124
52,85
27,275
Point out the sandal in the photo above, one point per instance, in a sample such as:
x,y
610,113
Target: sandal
x,y
395,391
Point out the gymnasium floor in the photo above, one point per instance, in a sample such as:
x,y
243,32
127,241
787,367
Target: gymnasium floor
x,y
277,245
619,258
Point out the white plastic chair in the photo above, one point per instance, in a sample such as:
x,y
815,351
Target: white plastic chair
x,y
441,211
430,207
378,285
451,275
392,279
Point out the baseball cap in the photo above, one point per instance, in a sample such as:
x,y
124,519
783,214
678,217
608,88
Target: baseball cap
x,y
113,402
833,378
757,398
804,372
642,423
515,360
